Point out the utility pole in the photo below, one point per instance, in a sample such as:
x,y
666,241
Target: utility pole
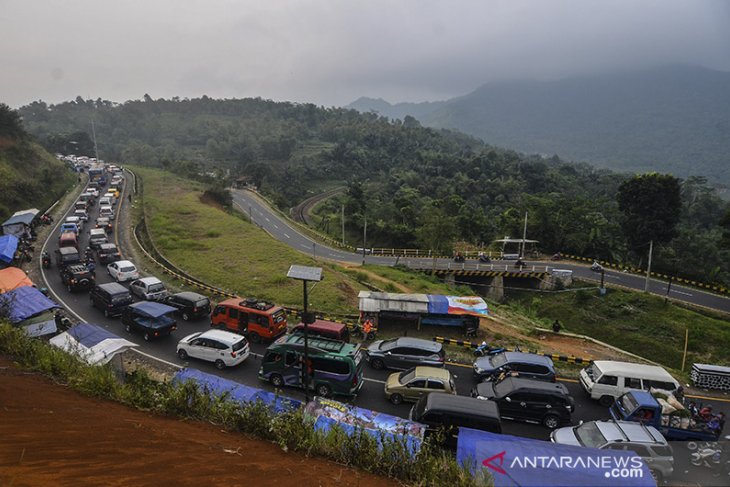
x,y
648,267
250,213
364,239
93,133
343,225
524,237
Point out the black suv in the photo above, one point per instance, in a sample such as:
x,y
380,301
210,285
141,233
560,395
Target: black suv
x,y
67,256
111,298
189,305
529,400
76,276
108,253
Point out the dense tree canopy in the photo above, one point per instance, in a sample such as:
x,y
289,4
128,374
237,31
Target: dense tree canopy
x,y
416,186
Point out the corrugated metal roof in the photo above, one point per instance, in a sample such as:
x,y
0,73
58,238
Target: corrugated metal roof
x,y
374,302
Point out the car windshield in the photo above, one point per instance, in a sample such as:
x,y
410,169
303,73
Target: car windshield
x,y
628,402
498,360
279,316
239,345
406,376
156,287
593,371
589,435
201,303
120,298
126,269
388,344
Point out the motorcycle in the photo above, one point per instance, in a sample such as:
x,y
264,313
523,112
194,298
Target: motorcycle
x,y
556,256
459,258
484,349
710,456
46,260
596,267
484,258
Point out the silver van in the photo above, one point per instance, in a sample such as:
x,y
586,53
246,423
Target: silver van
x,y
605,380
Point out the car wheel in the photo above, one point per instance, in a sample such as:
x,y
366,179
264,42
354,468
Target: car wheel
x,y
656,475
323,390
254,337
692,445
551,421
186,317
128,328
606,401
396,399
220,365
377,364
276,380
147,336
182,354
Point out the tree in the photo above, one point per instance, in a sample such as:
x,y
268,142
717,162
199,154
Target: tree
x,y
651,207
436,231
10,124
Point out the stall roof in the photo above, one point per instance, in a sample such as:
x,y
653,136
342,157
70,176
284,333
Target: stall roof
x,y
24,302
13,278
91,343
8,246
373,302
25,217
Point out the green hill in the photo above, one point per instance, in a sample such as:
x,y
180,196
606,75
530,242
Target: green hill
x,y
29,175
674,119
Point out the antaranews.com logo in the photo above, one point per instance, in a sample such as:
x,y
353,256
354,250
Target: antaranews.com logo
x,y
613,467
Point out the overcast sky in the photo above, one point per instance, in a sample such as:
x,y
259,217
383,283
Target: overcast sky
x,y
332,52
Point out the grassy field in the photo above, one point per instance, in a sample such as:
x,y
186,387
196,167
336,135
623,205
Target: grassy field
x,y
225,250
636,322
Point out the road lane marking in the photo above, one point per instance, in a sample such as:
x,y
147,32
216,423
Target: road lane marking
x,y
374,380
682,292
276,226
287,236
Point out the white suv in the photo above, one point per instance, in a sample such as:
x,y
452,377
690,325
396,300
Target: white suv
x,y
223,348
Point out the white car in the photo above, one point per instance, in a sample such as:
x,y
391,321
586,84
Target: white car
x,y
122,270
223,348
74,219
148,288
81,215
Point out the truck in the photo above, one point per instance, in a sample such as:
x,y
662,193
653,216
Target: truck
x,y
680,425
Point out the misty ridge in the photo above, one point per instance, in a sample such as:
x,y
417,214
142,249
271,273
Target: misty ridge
x,y
673,119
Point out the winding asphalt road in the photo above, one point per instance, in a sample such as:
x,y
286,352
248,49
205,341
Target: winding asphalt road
x,y
283,230
371,395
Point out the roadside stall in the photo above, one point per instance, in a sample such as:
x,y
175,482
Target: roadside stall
x,y
20,223
13,278
423,309
8,246
28,308
91,343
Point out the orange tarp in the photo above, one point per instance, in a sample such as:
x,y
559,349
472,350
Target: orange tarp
x,y
12,278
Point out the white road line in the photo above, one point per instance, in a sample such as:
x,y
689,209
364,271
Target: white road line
x,y
276,226
287,236
374,380
682,292
304,246
267,219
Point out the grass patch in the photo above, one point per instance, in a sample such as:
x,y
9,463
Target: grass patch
x,y
241,258
639,323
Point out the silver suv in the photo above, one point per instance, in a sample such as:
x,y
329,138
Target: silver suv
x,y
645,441
404,353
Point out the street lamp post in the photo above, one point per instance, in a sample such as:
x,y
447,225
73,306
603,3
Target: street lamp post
x,y
305,274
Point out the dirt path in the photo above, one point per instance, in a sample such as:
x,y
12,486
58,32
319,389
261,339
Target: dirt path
x,y
50,435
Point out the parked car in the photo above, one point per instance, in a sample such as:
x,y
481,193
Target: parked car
x,y
68,239
107,253
97,236
107,212
605,380
526,365
148,288
122,270
416,382
67,256
529,400
223,348
643,440
189,305
404,353
82,215
257,319
152,319
76,276
75,220
110,297
69,227
104,223
326,329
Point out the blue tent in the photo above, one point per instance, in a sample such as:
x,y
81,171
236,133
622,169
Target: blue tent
x,y
380,426
523,462
237,392
152,308
8,246
23,303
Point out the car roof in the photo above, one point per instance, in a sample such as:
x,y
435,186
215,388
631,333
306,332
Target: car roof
x,y
97,231
653,372
68,250
108,246
149,280
433,372
631,431
152,308
529,358
113,287
462,404
418,343
514,383
75,268
222,336
190,296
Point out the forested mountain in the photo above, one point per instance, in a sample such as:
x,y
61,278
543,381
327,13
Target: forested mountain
x,y
674,119
29,176
416,186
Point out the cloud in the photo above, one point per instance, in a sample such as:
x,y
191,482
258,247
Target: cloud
x,y
331,52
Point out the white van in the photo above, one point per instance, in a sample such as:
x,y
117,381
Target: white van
x,y
105,201
107,212
605,380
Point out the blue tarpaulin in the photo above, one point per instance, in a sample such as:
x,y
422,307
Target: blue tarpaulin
x,y
237,392
8,246
26,218
380,426
23,303
523,462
